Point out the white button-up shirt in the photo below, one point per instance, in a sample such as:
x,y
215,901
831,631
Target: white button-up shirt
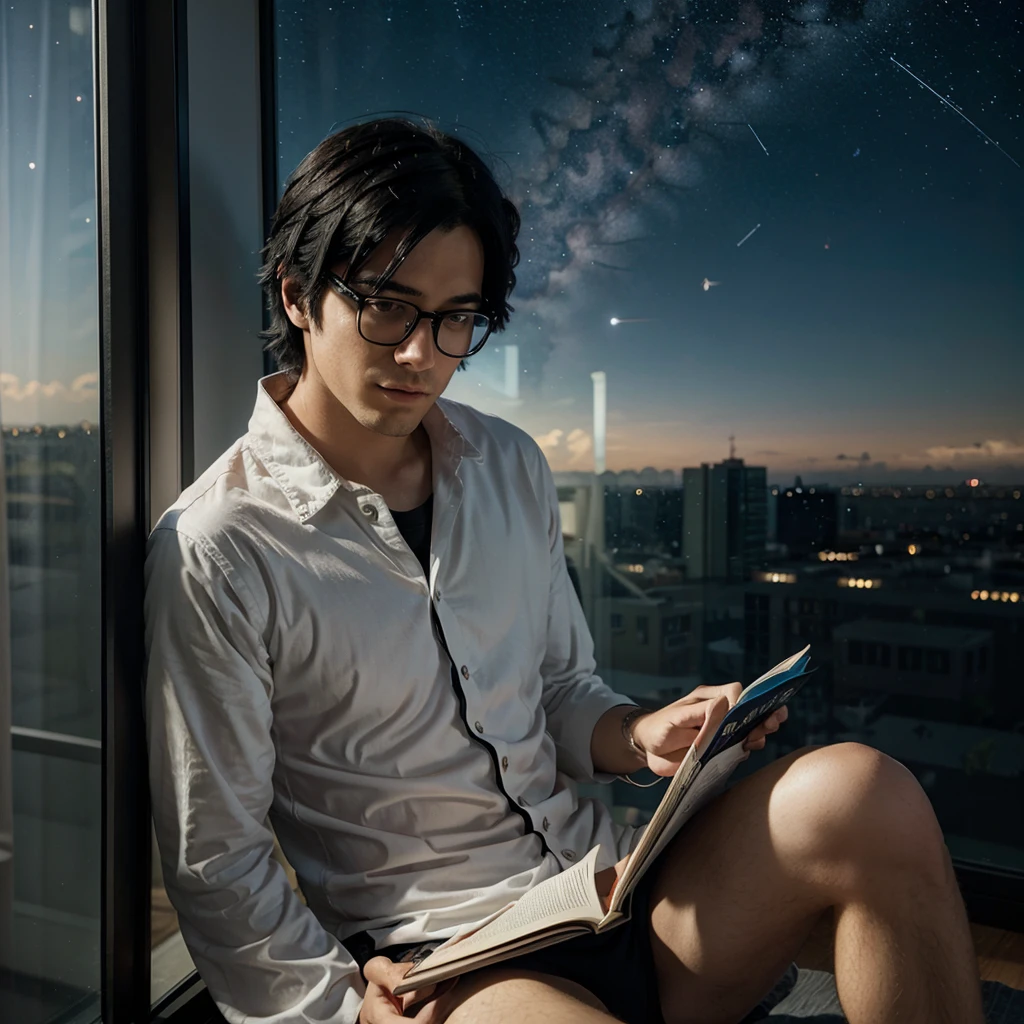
x,y
297,678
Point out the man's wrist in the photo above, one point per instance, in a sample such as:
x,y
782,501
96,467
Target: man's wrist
x,y
629,720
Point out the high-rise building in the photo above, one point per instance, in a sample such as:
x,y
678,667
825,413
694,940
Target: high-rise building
x,y
725,519
647,518
806,518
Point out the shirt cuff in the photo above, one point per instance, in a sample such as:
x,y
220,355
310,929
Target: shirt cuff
x,y
577,724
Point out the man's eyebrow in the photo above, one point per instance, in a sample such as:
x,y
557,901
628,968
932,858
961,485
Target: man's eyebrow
x,y
403,289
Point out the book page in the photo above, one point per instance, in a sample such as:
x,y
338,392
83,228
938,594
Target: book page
x,y
681,781
568,896
718,744
709,782
527,944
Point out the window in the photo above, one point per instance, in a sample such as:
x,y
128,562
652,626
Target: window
x,y
642,629
50,520
712,211
936,662
910,659
616,622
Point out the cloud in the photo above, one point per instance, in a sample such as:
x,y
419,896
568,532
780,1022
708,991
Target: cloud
x,y
84,388
54,401
567,451
979,451
580,444
550,441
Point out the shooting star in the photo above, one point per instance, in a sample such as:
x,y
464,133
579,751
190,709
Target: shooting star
x,y
746,236
616,320
956,111
760,143
708,285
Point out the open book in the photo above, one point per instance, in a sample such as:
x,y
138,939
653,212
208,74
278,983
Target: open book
x,y
568,903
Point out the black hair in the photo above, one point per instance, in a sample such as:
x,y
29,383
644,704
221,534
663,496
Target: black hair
x,y
359,185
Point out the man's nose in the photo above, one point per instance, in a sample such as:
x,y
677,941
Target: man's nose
x,y
418,350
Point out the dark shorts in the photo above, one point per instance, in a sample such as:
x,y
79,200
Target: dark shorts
x,y
617,966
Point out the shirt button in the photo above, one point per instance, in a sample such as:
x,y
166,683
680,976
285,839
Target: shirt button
x,y
504,764
370,512
545,824
437,595
478,727
465,672
569,854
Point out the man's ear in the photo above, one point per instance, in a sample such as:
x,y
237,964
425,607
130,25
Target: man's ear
x,y
294,305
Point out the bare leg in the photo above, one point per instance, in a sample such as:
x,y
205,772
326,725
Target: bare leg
x,y
500,996
841,827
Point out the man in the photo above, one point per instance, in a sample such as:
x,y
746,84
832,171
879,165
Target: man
x,y
361,630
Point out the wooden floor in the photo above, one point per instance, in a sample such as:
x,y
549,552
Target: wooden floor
x,y
1000,953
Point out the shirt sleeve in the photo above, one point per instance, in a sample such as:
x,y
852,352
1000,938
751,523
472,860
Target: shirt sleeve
x,y
574,698
262,953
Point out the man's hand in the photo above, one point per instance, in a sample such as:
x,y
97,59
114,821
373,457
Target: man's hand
x,y
666,735
382,1006
607,880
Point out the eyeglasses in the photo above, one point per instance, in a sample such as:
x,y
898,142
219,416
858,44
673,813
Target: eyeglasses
x,y
381,320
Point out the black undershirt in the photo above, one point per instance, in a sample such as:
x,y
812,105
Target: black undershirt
x,y
414,526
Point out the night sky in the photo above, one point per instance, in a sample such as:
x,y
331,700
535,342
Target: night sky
x,y
869,329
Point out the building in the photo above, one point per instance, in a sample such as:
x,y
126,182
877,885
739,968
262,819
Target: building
x,y
970,512
806,518
826,610
725,520
874,657
646,518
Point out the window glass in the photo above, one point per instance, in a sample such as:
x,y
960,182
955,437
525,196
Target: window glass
x,y
768,316
50,810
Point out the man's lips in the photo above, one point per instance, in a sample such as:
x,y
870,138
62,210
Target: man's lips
x,y
398,387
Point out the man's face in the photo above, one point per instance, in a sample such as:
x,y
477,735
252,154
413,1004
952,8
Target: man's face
x,y
389,389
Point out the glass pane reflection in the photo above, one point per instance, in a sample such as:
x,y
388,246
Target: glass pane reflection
x,y
50,771
767,332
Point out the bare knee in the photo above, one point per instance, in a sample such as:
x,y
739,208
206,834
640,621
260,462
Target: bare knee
x,y
851,805
502,994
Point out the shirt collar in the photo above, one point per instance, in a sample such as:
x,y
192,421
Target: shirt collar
x,y
301,472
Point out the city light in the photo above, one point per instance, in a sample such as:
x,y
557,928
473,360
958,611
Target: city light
x,y
838,556
1006,596
775,577
973,482
858,583
912,549
639,491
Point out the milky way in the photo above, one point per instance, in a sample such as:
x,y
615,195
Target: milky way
x,y
623,142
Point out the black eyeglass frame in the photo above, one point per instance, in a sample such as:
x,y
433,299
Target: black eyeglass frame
x,y
421,314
